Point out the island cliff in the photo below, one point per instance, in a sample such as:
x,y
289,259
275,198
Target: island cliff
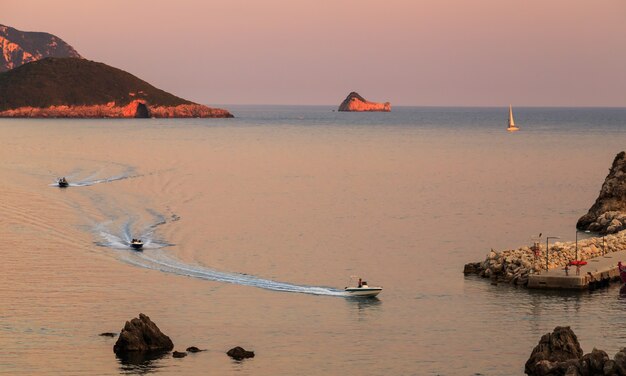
x,y
608,214
355,102
75,87
21,47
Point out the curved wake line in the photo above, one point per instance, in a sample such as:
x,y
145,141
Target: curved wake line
x,y
169,265
91,181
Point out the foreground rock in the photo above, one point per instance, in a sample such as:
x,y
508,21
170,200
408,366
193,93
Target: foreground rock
x,y
179,354
21,47
608,213
238,353
194,349
142,335
559,354
355,102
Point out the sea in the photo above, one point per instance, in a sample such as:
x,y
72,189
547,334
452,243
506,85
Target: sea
x,y
253,226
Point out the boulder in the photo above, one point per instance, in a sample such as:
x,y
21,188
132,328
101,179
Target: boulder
x,y
620,361
193,349
142,335
472,268
593,363
557,350
179,354
355,102
238,353
612,198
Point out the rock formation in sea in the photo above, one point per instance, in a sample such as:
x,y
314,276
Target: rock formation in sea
x,y
355,102
559,354
21,47
72,87
142,335
239,353
608,213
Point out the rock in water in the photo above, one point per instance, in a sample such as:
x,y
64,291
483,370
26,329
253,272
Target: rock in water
x,y
179,354
142,335
193,349
355,102
608,213
555,354
238,353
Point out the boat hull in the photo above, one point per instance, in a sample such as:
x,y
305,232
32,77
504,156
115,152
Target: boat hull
x,y
512,129
364,291
137,246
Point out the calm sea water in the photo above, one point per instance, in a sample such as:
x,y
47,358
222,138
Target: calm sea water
x,y
253,226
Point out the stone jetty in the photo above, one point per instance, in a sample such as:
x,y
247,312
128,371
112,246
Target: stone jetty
x,y
516,266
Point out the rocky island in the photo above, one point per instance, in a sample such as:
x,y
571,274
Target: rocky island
x,y
41,76
355,102
606,215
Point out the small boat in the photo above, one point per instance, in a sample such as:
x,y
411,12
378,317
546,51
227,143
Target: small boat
x,y
622,271
512,127
363,290
63,182
136,244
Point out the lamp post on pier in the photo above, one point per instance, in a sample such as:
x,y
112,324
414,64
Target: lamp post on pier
x,y
577,231
548,249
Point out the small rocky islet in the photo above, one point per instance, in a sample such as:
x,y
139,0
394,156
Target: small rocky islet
x,y
607,216
356,103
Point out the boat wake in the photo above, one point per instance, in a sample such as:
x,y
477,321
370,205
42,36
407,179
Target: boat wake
x,y
93,180
159,260
155,258
121,239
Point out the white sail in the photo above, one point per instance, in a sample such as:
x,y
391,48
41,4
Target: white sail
x,y
512,126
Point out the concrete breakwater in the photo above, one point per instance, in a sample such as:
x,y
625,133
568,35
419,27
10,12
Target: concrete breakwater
x,y
516,265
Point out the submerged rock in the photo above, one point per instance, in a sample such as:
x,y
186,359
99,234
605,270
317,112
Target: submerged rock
x,y
238,353
355,102
193,349
142,335
107,334
179,354
608,213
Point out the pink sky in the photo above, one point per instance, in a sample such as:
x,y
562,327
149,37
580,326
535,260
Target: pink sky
x,y
408,52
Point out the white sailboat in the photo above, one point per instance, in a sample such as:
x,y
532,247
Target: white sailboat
x,y
512,127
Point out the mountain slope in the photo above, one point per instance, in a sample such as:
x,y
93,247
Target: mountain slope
x,y
21,47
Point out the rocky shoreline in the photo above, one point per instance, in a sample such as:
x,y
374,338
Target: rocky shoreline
x,y
135,109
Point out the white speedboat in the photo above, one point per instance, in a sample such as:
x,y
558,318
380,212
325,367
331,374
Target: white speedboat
x,y
136,244
363,290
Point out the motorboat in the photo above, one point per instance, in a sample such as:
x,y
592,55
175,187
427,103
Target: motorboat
x,y
63,182
136,244
362,289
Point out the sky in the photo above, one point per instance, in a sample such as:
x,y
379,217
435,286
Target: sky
x,y
407,52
